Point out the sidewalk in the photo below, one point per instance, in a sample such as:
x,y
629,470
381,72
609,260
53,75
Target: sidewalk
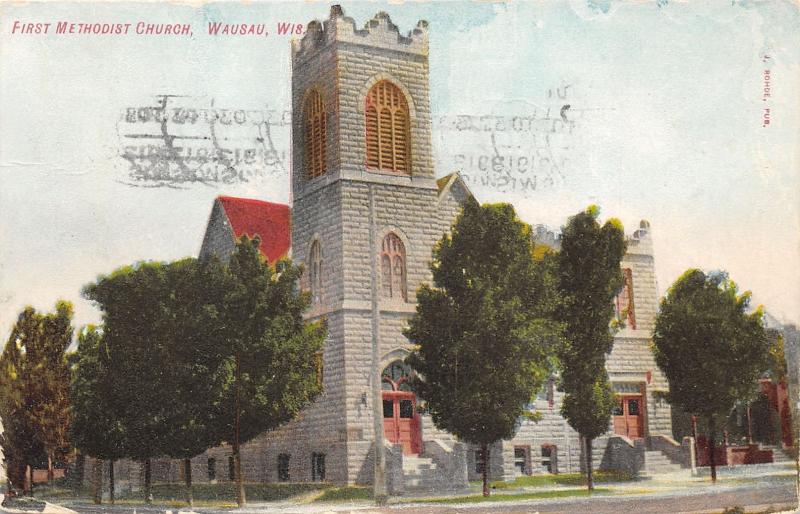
x,y
668,485
664,486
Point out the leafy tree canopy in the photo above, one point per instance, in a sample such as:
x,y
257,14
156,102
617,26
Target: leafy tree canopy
x,y
589,277
710,347
159,343
34,389
262,316
483,330
95,429
171,335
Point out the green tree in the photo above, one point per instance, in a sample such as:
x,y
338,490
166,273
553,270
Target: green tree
x,y
50,377
269,349
200,377
20,440
140,338
96,429
589,277
483,331
203,353
34,391
711,349
162,332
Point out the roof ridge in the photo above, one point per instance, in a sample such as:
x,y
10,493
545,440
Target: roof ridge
x,y
249,200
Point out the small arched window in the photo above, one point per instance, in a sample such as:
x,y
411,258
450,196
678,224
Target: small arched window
x,y
395,377
388,129
314,134
393,267
623,303
315,276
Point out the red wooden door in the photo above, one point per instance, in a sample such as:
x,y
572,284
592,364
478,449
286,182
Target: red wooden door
x,y
628,416
400,421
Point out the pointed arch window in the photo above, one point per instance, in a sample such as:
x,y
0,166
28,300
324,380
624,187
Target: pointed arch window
x,y
396,376
388,129
314,134
315,276
393,267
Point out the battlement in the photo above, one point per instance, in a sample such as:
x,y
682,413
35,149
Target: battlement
x,y
641,242
378,32
544,236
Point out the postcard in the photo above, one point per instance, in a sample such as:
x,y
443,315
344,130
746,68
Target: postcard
x,y
349,137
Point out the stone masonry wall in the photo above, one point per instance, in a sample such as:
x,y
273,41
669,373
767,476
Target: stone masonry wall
x,y
630,365
218,239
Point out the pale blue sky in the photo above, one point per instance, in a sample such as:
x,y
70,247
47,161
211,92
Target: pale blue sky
x,y
666,100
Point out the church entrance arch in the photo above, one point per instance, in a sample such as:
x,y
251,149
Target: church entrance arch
x,y
628,416
400,418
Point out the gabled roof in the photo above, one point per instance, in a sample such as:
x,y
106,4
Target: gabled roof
x,y
444,184
269,221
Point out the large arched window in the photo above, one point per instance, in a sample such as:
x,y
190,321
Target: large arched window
x,y
393,267
388,131
314,134
315,277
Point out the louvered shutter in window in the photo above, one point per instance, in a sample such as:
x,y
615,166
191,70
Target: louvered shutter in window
x,y
314,133
387,126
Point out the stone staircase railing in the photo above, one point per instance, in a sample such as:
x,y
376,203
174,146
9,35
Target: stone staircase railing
x,y
624,454
441,466
451,462
395,483
677,453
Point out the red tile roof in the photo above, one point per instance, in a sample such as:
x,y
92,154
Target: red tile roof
x,y
270,221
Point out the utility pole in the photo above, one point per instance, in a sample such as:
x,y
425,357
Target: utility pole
x,y
379,485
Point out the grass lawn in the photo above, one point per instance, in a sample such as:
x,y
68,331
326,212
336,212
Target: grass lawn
x,y
499,497
223,495
345,494
568,479
205,495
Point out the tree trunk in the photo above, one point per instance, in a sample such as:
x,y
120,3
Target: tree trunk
x,y
50,474
712,457
111,481
588,450
97,481
749,426
485,474
187,475
241,500
23,475
148,494
694,435
17,471
30,468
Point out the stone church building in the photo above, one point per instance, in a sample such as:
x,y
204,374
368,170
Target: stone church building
x,y
367,209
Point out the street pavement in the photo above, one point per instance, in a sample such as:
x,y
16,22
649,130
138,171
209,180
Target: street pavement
x,y
758,490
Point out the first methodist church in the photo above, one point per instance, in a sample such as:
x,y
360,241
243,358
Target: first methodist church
x,y
367,209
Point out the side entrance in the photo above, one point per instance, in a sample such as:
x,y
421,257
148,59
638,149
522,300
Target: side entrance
x,y
400,418
628,416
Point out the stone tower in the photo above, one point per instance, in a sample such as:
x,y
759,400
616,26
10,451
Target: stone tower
x,y
366,213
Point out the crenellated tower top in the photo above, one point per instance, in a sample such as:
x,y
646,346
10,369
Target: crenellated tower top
x,y
641,242
378,32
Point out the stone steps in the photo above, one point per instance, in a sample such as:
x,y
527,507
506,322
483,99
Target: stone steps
x,y
779,455
420,473
655,462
